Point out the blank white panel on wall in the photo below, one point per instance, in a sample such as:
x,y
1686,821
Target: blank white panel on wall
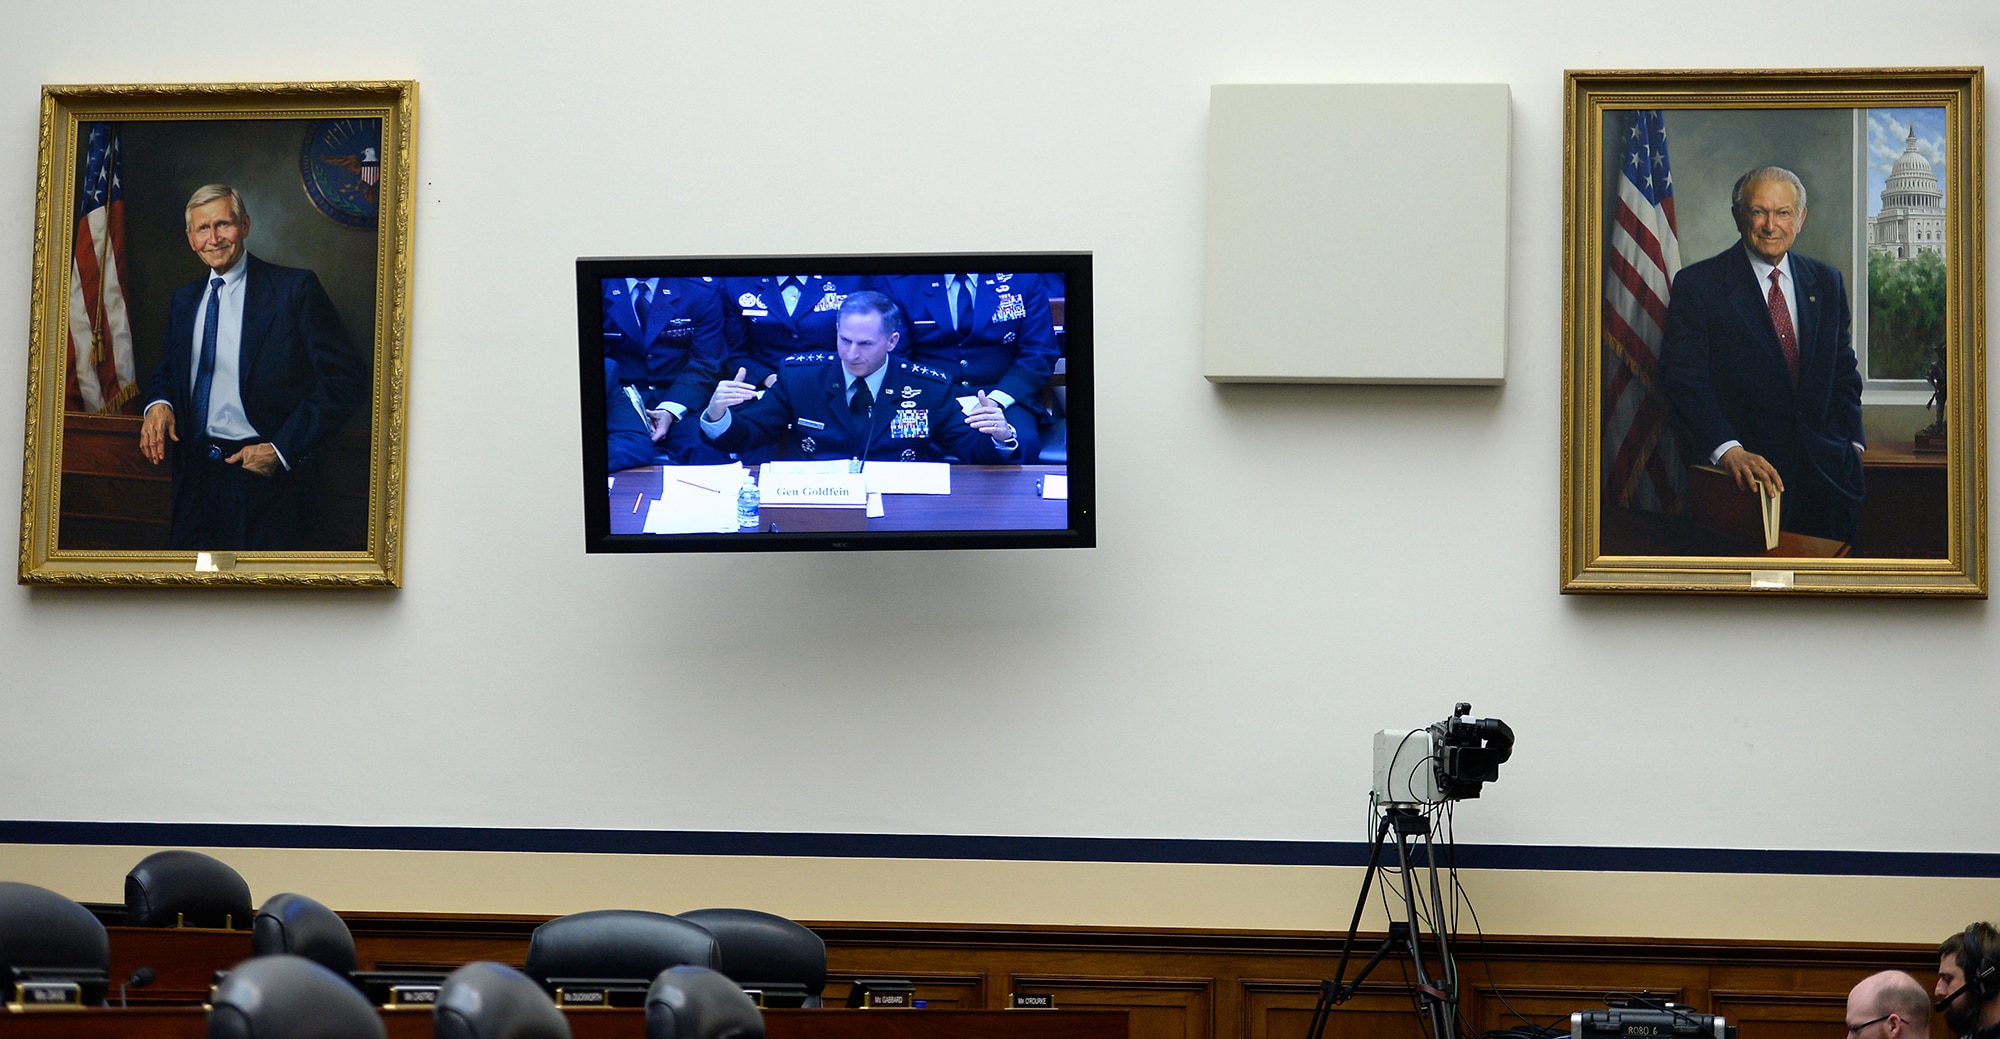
x,y
1357,233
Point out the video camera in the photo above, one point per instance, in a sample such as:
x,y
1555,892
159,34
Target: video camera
x,y
1447,761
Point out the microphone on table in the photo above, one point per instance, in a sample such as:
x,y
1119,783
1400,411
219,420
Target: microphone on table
x,y
140,978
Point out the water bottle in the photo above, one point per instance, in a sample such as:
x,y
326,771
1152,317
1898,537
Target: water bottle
x,y
747,500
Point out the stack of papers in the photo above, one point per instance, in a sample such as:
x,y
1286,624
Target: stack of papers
x,y
908,477
696,499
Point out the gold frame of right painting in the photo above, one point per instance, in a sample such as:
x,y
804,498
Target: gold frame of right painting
x,y
1635,512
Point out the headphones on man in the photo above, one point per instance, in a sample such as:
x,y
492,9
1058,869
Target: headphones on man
x,y
1982,975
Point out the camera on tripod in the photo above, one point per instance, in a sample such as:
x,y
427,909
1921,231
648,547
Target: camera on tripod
x,y
1447,761
1415,771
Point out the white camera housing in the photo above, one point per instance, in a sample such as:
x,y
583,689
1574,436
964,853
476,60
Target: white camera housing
x,y
1405,772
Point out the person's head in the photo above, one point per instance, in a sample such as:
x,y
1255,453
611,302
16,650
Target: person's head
x,y
217,224
1969,968
1769,204
1889,1005
869,327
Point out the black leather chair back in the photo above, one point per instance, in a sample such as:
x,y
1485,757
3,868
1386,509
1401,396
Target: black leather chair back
x,y
39,928
764,948
290,997
485,1000
697,1003
298,925
172,888
617,943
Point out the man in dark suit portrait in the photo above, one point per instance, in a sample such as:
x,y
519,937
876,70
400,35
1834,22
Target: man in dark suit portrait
x,y
858,403
1759,362
257,375
665,335
990,332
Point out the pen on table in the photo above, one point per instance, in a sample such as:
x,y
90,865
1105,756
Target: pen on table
x,y
636,502
691,483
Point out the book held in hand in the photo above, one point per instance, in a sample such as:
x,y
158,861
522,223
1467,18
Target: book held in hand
x,y
1717,504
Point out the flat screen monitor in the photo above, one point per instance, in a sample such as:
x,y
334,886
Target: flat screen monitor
x,y
730,403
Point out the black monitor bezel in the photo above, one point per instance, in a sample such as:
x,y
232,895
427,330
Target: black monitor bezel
x,y
1079,408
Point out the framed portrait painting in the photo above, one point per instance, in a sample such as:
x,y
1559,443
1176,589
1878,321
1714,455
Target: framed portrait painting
x,y
218,366
1774,363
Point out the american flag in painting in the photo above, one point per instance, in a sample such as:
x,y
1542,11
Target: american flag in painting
x,y
100,334
1644,458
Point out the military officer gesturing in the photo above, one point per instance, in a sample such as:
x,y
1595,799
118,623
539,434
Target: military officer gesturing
x,y
857,403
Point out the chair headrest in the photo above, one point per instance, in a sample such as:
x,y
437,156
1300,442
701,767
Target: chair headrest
x,y
290,997
169,887
617,943
764,947
484,1000
698,1003
295,924
39,928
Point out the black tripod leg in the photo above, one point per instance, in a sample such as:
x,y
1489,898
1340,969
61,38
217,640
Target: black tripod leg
x,y
1434,999
1448,966
1360,903
1321,1007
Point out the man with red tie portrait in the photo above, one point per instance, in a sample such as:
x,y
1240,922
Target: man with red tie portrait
x,y
1758,360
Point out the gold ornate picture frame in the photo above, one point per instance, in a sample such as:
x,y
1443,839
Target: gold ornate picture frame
x,y
295,478
1865,389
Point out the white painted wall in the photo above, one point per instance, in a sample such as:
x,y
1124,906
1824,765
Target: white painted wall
x,y
1282,570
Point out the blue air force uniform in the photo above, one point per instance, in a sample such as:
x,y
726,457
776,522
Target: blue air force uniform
x,y
676,356
915,418
762,332
1008,342
673,359
628,440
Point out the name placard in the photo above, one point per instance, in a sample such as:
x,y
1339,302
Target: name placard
x,y
46,995
814,489
414,995
882,994
1031,1000
589,997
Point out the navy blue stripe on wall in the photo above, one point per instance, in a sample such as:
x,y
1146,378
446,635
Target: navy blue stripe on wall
x,y
1020,849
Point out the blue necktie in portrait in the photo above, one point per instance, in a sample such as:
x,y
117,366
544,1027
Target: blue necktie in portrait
x,y
961,310
642,302
204,374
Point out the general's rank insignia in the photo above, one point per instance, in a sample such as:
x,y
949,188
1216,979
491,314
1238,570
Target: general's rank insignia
x,y
808,445
913,424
